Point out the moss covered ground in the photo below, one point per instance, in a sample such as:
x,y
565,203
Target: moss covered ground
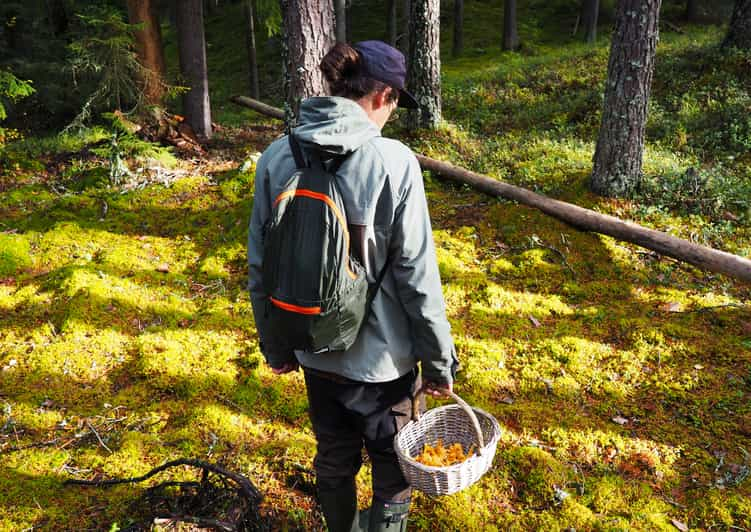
x,y
622,379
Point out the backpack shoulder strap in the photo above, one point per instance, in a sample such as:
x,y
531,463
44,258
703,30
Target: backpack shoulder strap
x,y
313,156
297,151
332,165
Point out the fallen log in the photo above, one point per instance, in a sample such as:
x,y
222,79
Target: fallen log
x,y
260,107
702,257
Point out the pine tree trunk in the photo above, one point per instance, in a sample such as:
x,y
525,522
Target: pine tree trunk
x,y
458,47
250,40
308,35
149,48
692,10
209,7
340,8
425,63
404,43
620,145
510,34
391,20
192,51
590,13
348,19
739,33
172,13
58,17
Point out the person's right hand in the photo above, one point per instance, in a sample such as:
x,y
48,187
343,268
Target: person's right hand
x,y
286,368
438,389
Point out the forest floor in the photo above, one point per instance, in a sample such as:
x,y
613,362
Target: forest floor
x,y
621,379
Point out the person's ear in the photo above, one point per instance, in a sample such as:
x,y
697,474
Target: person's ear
x,y
381,97
388,93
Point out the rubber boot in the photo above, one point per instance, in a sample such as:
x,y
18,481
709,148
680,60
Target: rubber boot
x,y
388,516
339,507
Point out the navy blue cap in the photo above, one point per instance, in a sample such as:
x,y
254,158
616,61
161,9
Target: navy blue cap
x,y
386,64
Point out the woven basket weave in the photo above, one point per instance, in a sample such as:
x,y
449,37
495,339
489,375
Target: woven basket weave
x,y
451,424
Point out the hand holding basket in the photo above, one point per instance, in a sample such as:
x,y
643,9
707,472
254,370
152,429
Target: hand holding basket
x,y
457,423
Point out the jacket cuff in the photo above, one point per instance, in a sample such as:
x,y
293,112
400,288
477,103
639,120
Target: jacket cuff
x,y
441,372
277,358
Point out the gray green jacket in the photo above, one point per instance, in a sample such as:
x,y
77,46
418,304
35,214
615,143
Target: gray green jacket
x,y
381,184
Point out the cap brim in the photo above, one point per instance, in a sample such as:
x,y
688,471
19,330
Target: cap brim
x,y
406,100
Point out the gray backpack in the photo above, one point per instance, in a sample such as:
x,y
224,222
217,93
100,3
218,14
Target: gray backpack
x,y
318,293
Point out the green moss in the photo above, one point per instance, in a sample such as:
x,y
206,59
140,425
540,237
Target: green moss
x,y
15,254
186,362
726,508
537,475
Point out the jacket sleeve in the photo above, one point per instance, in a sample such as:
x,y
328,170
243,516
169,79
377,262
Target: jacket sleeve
x,y
415,271
275,355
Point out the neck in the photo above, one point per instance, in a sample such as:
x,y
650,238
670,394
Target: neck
x,y
379,116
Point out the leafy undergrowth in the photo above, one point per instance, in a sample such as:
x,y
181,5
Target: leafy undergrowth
x,y
622,379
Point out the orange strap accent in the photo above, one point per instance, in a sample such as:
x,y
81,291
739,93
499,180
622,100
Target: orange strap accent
x,y
328,201
295,308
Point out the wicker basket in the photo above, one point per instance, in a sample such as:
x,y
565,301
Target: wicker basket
x,y
457,423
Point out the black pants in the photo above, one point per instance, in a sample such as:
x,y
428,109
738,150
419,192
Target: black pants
x,y
347,415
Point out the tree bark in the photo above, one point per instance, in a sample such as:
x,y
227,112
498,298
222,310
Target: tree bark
x,y
308,35
510,33
458,47
692,10
405,41
739,33
250,41
58,17
391,22
702,257
340,8
348,20
620,145
149,48
192,52
210,6
590,14
172,13
425,63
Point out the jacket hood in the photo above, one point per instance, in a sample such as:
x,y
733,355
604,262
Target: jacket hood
x,y
334,125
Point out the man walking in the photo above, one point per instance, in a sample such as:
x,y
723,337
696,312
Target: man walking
x,y
361,396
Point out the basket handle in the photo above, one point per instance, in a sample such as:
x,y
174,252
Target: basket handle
x,y
467,409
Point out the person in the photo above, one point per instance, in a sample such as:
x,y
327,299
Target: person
x,y
362,396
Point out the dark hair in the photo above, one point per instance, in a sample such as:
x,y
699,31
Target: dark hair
x,y
341,67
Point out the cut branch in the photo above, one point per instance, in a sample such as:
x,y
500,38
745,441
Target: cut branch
x,y
211,524
246,487
702,257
